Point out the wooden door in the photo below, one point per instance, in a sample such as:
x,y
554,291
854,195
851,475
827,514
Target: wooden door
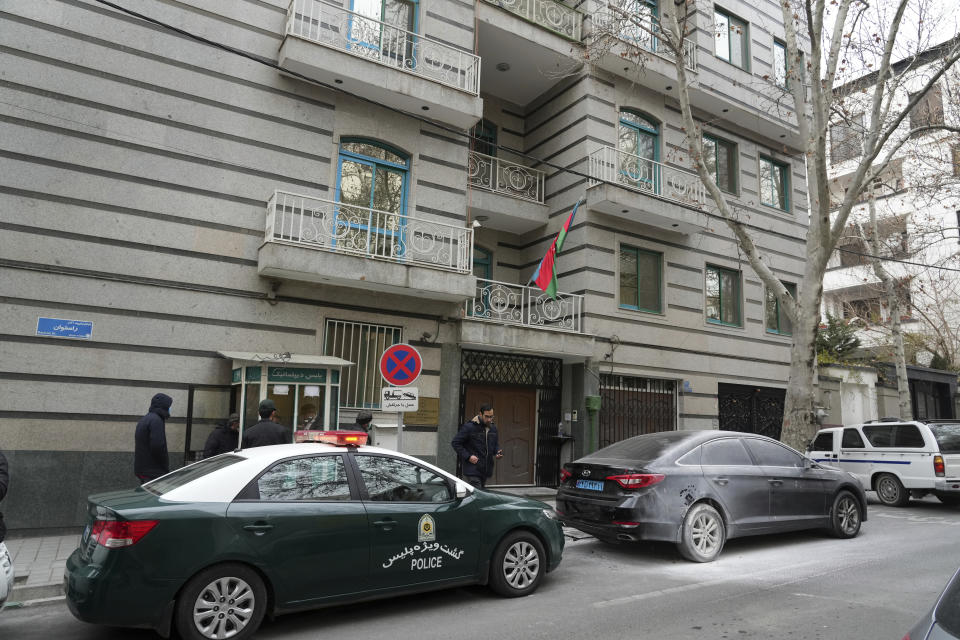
x,y
515,412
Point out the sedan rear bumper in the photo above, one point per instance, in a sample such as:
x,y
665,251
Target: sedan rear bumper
x,y
663,531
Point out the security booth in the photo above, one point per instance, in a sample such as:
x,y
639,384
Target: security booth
x,y
304,388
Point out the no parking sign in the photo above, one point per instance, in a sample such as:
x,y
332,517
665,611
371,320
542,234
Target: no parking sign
x,y
400,365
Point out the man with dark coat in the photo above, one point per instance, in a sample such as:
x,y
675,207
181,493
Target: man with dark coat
x,y
267,431
224,438
4,483
364,418
477,446
150,459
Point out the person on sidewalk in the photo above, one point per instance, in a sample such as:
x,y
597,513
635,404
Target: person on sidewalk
x,y
150,459
224,438
364,418
477,446
4,483
267,431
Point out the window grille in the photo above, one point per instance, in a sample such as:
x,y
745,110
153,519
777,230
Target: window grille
x,y
362,344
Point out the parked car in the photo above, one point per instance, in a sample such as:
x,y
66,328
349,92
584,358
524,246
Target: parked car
x,y
942,622
213,547
699,488
897,459
6,574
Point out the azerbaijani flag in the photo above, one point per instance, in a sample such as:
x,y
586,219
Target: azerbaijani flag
x,y
545,276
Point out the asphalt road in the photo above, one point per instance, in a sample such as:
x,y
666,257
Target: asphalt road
x,y
792,587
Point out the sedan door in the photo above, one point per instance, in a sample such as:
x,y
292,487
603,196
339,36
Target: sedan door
x,y
307,527
740,485
798,489
420,533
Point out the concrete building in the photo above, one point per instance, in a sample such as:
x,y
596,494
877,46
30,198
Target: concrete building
x,y
181,218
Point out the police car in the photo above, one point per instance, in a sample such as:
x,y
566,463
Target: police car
x,y
213,547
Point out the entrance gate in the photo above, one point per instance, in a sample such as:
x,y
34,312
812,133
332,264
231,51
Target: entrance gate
x,y
633,406
751,409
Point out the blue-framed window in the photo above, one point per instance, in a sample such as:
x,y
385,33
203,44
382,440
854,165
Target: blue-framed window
x,y
777,320
484,135
639,146
722,296
732,38
774,183
392,43
641,279
720,156
372,181
644,23
780,65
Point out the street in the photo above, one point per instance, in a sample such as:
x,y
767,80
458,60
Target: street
x,y
791,587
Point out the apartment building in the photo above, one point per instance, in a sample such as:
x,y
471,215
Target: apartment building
x,y
262,219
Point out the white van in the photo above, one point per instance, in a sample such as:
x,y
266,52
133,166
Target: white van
x,y
897,459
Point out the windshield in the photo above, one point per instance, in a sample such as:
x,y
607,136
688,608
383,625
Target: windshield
x,y
948,437
641,448
184,475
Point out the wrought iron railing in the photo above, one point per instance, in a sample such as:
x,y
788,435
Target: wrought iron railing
x,y
508,178
640,174
549,14
327,225
528,306
612,23
393,46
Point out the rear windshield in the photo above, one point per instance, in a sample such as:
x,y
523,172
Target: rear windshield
x,y
948,437
948,611
641,448
190,473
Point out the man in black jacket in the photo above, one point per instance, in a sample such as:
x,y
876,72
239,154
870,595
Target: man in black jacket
x,y
267,431
4,483
224,438
150,459
477,446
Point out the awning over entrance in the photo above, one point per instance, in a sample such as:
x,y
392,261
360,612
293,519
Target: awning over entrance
x,y
286,358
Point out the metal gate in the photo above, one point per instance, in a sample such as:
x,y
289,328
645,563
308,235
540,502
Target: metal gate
x,y
751,409
633,406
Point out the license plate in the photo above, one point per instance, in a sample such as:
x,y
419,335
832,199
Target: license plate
x,y
592,485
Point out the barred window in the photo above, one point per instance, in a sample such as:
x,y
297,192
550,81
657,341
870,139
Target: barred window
x,y
362,344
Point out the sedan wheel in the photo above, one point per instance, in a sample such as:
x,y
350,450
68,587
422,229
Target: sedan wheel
x,y
517,565
845,516
890,491
703,534
225,601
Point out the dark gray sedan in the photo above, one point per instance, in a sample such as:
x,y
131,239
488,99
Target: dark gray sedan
x,y
699,488
943,620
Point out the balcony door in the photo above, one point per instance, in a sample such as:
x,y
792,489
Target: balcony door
x,y
644,23
639,147
385,28
372,190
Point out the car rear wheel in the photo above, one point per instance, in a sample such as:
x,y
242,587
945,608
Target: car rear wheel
x,y
225,601
890,491
845,515
703,534
517,566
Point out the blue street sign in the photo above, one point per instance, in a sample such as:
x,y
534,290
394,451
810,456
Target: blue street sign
x,y
64,328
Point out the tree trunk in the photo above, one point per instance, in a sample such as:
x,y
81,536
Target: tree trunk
x,y
799,412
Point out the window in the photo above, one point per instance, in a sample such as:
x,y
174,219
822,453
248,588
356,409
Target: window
x,y
929,110
191,472
720,157
395,480
777,320
771,454
780,64
484,135
639,146
823,442
868,310
845,139
732,37
384,27
313,478
640,279
726,452
361,344
947,614
643,24
774,183
372,182
851,439
723,296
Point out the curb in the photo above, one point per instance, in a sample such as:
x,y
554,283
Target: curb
x,y
25,594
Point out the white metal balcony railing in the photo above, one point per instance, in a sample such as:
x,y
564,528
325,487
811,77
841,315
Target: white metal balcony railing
x,y
527,306
640,174
333,26
508,178
327,225
549,14
608,21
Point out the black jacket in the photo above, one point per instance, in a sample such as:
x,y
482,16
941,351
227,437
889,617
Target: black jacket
x,y
265,433
469,441
221,440
4,483
150,459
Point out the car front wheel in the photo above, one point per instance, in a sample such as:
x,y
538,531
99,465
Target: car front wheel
x,y
225,601
517,565
845,515
703,534
890,491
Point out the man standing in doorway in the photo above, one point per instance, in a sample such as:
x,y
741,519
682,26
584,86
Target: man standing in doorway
x,y
477,446
150,459
223,438
267,431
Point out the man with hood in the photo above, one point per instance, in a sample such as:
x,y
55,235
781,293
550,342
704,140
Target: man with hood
x,y
150,459
224,438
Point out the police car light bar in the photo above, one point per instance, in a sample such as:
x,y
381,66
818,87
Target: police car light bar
x,y
339,438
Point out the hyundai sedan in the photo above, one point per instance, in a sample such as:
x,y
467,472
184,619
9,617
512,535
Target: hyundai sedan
x,y
942,622
213,547
697,489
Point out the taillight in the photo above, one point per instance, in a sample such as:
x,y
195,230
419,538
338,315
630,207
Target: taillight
x,y
938,466
637,480
114,534
564,475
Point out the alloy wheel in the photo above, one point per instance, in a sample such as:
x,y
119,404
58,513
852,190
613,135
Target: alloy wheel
x,y
848,511
223,608
705,533
521,564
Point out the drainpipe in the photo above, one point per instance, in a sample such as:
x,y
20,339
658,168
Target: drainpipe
x,y
593,408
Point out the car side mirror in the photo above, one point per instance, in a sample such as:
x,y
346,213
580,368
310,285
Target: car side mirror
x,y
463,491
809,445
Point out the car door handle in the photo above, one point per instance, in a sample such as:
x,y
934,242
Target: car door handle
x,y
775,482
721,481
259,528
387,524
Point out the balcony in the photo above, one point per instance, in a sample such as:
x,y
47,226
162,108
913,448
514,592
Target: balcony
x,y
547,14
319,240
508,195
409,71
616,176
